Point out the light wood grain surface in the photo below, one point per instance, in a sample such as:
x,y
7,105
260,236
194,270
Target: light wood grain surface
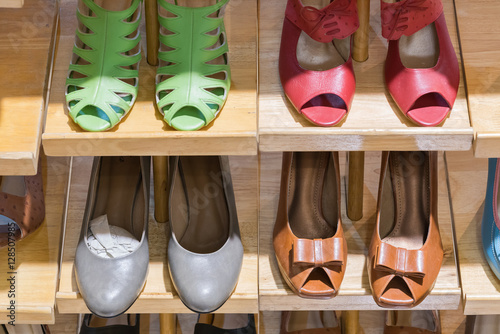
x,y
374,122
468,179
37,256
11,3
25,58
143,131
479,25
355,292
158,295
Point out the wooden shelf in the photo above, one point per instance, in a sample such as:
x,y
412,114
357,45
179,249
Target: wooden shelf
x,y
143,131
374,122
11,3
479,25
37,256
158,295
468,179
25,63
355,292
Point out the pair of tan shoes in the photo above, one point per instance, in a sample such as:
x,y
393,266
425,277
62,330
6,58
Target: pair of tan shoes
x,y
405,254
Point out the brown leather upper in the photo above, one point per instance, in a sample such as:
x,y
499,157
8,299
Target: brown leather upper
x,y
299,258
285,318
29,211
417,269
393,329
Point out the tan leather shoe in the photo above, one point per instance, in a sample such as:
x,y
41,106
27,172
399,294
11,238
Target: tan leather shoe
x,y
405,253
310,322
309,242
412,322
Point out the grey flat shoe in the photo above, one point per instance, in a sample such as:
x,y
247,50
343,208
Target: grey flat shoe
x,y
119,188
204,251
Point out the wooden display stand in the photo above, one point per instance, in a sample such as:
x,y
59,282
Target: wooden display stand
x,y
374,122
25,64
37,256
480,286
159,295
355,293
143,131
478,23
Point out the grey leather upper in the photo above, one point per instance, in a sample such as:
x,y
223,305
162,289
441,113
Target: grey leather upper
x,y
110,286
205,281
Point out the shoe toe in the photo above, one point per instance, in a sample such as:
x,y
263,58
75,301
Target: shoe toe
x,y
92,118
188,119
396,298
324,116
429,116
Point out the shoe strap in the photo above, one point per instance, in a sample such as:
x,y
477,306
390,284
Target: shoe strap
x,y
338,20
408,16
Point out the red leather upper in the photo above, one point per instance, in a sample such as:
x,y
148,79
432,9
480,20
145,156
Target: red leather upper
x,y
408,16
407,85
336,21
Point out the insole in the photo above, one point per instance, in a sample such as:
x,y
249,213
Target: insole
x,y
13,185
120,194
208,216
417,319
409,172
303,320
305,193
317,56
487,324
420,50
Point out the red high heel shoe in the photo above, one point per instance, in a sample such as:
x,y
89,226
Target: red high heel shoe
x,y
320,85
421,68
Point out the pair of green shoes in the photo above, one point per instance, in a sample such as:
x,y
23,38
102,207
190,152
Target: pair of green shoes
x,y
193,78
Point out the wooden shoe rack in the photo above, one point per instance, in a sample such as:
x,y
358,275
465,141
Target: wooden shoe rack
x,y
256,125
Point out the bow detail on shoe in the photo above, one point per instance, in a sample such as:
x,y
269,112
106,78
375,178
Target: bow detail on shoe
x,y
408,16
400,261
337,20
318,252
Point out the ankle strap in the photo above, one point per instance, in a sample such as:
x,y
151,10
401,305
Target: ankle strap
x,y
337,20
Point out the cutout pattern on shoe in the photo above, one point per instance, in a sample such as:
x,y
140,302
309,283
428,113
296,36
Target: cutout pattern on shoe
x,y
103,77
194,77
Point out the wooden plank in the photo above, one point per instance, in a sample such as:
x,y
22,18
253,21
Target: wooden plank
x,y
143,132
37,256
355,292
468,179
25,63
479,25
159,295
11,3
374,122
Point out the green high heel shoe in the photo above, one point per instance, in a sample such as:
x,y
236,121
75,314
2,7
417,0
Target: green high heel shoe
x,y
193,79
103,77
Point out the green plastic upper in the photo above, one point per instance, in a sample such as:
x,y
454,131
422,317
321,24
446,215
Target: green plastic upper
x,y
190,91
96,94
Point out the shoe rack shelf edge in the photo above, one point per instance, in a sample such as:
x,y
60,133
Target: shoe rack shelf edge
x,y
158,295
355,292
143,131
468,179
374,122
26,64
36,267
481,56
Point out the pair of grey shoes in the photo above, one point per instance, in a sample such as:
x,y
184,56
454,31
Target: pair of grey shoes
x,y
204,252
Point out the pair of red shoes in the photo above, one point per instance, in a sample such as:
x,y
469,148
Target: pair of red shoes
x,y
421,68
